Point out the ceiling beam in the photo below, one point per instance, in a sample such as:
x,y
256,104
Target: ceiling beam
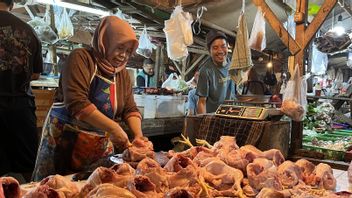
x,y
214,26
317,21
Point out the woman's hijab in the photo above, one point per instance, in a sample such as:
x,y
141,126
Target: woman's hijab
x,y
111,32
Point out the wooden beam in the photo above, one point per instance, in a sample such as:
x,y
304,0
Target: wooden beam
x,y
29,11
318,20
277,26
214,26
195,63
177,66
197,51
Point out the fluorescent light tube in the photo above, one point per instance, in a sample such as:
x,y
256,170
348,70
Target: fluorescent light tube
x,y
75,7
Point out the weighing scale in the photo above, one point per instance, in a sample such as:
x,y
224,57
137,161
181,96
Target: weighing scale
x,y
250,107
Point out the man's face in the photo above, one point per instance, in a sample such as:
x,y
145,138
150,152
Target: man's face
x,y
149,69
219,51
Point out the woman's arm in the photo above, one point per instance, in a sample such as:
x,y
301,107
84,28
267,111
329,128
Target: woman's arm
x,y
117,135
135,124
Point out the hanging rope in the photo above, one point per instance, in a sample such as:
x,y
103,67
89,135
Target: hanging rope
x,y
197,23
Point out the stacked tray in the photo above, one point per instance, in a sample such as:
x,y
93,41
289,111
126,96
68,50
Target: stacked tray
x,y
334,146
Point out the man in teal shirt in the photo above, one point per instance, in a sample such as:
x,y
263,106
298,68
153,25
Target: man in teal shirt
x,y
146,77
214,84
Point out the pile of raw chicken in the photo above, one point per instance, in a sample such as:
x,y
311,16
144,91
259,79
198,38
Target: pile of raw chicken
x,y
221,170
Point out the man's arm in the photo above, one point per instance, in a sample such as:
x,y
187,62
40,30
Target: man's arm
x,y
201,106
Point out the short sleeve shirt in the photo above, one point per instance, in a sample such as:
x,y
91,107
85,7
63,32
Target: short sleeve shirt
x,y
20,55
215,84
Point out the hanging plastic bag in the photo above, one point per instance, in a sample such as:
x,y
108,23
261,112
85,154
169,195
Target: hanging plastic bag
x,y
295,96
257,40
174,82
145,47
176,43
42,27
65,27
290,25
319,61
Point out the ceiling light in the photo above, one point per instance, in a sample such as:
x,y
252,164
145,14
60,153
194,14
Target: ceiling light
x,y
75,6
269,65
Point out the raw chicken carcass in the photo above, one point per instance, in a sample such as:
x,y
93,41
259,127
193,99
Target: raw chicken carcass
x,y
142,187
61,185
269,193
225,179
140,149
238,158
289,174
178,162
179,193
225,145
107,175
275,155
157,175
9,188
324,177
307,169
110,191
262,173
43,191
192,152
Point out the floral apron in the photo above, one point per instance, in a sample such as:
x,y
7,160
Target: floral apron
x,y
68,145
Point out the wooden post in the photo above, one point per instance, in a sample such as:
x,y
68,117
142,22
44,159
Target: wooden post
x,y
52,48
297,46
157,63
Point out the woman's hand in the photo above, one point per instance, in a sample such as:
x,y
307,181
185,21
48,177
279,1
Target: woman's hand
x,y
119,138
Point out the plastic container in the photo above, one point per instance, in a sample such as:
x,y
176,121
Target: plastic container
x,y
160,106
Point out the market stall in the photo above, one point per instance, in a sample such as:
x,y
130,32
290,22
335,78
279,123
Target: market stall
x,y
241,149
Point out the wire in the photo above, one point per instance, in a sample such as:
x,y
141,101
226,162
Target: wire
x,y
197,23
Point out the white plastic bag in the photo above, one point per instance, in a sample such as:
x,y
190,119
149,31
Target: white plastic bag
x,y
178,32
42,27
145,47
174,82
257,40
65,27
290,25
319,61
295,96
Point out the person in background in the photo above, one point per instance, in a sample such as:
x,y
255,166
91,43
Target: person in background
x,y
254,86
94,91
214,84
20,62
146,77
168,71
192,98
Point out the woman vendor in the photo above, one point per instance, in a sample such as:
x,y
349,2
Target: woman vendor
x,y
94,91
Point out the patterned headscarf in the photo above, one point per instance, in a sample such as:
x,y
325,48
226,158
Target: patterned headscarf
x,y
111,32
